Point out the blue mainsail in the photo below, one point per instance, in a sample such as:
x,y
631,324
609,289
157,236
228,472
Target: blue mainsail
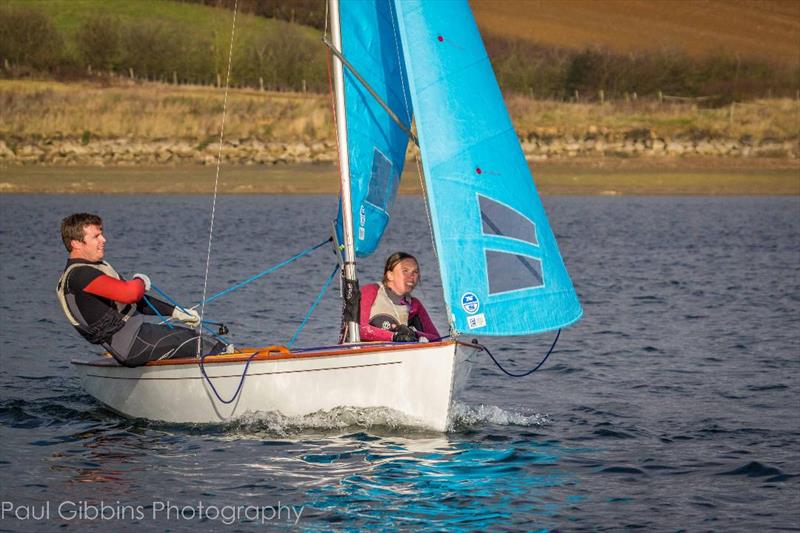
x,y
502,273
377,145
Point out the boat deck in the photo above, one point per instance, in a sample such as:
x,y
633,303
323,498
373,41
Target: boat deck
x,y
274,353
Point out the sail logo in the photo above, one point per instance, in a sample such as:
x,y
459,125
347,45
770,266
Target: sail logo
x,y
476,321
470,302
362,222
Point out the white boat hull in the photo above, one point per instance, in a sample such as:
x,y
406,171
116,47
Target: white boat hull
x,y
417,380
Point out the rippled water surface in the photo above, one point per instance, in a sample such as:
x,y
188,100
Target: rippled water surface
x,y
672,405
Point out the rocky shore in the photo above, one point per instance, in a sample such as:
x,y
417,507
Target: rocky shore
x,y
537,146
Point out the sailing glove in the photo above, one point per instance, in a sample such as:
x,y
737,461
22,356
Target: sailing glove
x,y
404,333
190,317
145,279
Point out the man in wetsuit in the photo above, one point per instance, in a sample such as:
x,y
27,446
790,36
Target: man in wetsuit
x,y
108,310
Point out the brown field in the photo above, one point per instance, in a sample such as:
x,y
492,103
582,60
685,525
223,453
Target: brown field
x,y
45,109
759,29
575,177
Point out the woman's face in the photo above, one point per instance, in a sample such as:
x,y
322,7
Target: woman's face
x,y
403,277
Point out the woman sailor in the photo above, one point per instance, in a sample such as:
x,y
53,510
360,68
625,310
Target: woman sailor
x,y
389,312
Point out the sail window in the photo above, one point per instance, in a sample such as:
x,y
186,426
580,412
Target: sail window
x,y
499,219
512,272
382,183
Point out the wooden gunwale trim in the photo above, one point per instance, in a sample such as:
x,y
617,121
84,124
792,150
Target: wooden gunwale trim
x,y
275,355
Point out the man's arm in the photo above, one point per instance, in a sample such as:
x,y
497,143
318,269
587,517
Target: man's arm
x,y
126,292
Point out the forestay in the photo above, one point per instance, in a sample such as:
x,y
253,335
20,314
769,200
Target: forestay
x,y
502,273
377,145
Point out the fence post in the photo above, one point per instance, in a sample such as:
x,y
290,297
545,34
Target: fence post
x,y
130,72
602,95
6,64
660,97
577,96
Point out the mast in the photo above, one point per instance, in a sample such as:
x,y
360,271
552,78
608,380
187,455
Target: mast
x,y
349,270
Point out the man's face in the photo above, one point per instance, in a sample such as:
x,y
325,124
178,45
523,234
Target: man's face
x,y
92,246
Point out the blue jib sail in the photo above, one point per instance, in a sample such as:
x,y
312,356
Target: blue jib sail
x,y
377,145
502,273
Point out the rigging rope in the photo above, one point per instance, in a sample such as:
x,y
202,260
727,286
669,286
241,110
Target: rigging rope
x,y
241,380
322,292
219,160
314,305
529,372
267,271
153,307
165,320
307,251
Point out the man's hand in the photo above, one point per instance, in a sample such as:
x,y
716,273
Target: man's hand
x,y
190,317
145,279
404,333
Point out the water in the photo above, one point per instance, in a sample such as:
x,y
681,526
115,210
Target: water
x,y
672,405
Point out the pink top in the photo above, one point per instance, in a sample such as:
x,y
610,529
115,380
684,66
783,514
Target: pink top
x,y
415,308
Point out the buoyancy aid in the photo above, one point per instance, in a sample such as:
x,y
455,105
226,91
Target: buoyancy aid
x,y
117,328
387,312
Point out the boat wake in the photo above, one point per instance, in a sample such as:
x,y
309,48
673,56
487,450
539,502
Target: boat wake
x,y
335,419
471,416
377,418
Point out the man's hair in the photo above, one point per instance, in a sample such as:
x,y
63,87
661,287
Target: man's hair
x,y
72,227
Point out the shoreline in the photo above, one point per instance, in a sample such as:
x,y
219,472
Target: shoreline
x,y
579,176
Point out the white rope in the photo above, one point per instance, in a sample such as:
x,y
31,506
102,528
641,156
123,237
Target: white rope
x,y
216,177
325,33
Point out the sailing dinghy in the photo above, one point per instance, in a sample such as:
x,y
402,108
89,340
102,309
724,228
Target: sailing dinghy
x,y
502,274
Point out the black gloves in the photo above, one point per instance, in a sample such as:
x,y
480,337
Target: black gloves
x,y
404,334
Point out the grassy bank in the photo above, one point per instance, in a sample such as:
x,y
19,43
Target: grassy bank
x,y
624,177
84,111
720,50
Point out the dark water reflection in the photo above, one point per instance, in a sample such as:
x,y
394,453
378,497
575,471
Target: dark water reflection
x,y
673,404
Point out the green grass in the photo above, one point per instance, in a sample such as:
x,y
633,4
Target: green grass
x,y
192,19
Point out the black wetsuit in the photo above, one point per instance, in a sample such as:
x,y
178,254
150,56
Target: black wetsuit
x,y
121,328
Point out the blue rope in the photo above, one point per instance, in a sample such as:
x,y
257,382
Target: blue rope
x,y
241,380
484,348
168,299
153,307
314,305
249,359
265,272
231,289
176,304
